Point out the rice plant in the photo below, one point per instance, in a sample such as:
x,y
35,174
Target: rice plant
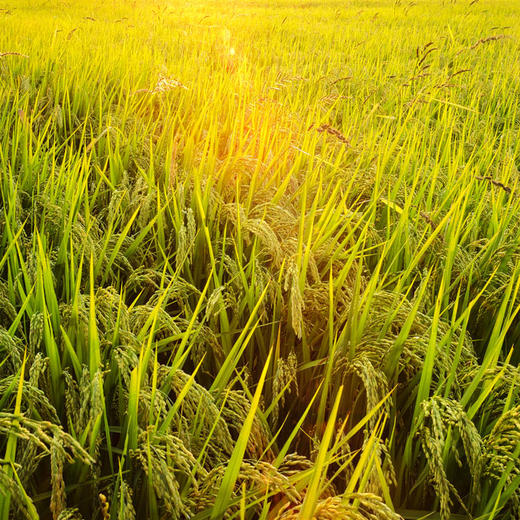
x,y
259,260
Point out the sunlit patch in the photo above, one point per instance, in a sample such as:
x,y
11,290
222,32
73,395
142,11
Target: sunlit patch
x,y
226,36
232,51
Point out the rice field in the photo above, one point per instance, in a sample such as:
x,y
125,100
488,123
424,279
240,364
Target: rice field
x,y
259,259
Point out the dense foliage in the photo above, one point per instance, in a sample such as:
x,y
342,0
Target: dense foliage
x,y
259,259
